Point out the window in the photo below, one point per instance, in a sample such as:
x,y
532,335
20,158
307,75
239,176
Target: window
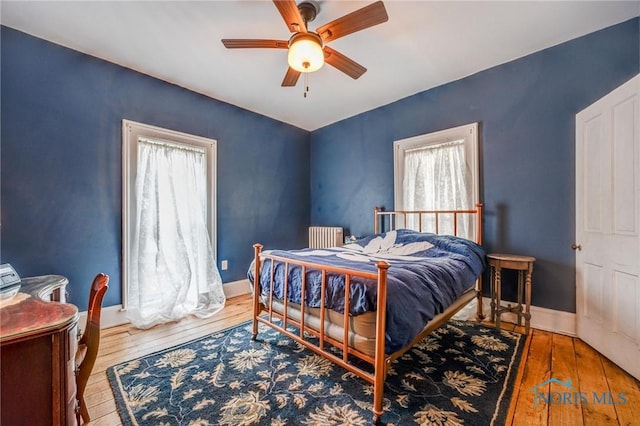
x,y
438,171
168,225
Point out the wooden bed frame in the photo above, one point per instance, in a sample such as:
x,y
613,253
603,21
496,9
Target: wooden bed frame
x,y
380,361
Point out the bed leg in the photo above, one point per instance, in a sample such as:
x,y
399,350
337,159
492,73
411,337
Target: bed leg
x,y
381,363
479,311
378,391
256,289
377,409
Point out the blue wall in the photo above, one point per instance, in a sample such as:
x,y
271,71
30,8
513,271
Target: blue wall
x,y
526,109
61,164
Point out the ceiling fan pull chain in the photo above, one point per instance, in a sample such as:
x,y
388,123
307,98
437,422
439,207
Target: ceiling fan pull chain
x,y
306,84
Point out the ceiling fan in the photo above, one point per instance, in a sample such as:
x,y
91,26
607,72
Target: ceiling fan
x,y
307,49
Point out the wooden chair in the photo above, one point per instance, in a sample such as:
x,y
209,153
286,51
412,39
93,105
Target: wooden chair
x,y
89,342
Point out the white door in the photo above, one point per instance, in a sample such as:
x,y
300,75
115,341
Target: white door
x,y
608,226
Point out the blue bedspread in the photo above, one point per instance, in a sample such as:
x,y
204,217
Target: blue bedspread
x,y
428,272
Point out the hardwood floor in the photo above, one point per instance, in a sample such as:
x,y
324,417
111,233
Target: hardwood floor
x,y
549,356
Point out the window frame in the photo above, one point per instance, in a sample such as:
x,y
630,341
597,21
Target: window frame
x,y
467,132
131,131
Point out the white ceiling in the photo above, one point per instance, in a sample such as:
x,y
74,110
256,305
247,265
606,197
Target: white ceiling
x,y
423,45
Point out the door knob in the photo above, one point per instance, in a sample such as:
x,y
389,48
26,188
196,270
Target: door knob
x,y
575,246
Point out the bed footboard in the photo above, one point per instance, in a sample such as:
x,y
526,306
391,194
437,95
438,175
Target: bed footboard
x,y
281,322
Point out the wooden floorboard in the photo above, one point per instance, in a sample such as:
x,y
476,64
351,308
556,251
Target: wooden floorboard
x,y
563,367
537,369
592,379
549,356
619,381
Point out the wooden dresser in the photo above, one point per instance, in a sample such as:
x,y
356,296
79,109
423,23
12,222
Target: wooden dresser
x,y
38,342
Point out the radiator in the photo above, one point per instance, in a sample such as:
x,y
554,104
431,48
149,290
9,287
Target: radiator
x,y
325,236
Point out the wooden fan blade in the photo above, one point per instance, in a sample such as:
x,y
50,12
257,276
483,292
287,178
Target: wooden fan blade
x,y
344,64
239,43
291,15
290,78
366,17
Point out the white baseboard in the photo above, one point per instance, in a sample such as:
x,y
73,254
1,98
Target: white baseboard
x,y
541,318
113,316
237,288
560,322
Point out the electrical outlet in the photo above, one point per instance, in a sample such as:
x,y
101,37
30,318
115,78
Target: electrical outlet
x,y
224,265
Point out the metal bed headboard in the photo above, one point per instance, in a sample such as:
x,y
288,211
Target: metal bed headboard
x,y
390,220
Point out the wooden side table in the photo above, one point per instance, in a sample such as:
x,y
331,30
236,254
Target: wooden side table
x,y
524,266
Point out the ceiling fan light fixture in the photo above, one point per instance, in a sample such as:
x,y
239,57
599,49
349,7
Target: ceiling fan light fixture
x,y
305,52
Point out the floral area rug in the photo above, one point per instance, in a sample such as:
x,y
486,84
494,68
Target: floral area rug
x,y
461,374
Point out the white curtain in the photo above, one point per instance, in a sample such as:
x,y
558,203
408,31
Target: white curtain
x,y
436,177
173,270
